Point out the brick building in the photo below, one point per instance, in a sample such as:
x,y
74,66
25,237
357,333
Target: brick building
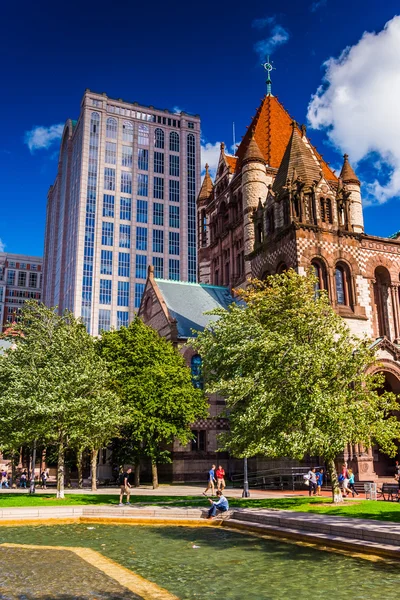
x,y
20,280
276,205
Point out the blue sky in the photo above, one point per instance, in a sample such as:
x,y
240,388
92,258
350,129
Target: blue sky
x,y
201,58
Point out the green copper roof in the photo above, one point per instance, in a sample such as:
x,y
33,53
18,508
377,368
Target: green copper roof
x,y
394,236
187,303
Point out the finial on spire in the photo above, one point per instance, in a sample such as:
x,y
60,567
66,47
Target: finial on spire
x,y
222,147
268,67
207,167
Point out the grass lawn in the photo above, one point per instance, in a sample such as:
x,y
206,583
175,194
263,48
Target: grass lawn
x,y
364,509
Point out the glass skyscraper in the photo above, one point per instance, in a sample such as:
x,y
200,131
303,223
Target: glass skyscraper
x,y
124,198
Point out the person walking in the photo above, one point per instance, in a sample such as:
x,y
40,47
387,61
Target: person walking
x,y
22,480
344,480
211,481
350,485
220,473
43,478
320,481
221,505
312,482
125,487
4,479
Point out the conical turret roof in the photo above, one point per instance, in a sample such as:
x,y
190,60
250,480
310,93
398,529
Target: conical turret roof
x,y
207,186
347,173
298,161
253,152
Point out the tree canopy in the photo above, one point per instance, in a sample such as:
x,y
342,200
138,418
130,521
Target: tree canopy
x,y
159,400
295,380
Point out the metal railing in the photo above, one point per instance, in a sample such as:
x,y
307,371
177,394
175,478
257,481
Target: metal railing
x,y
290,478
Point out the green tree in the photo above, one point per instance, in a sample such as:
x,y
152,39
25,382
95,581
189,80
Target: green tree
x,y
295,380
54,386
160,402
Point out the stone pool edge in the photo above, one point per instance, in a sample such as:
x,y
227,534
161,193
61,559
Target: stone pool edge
x,y
355,535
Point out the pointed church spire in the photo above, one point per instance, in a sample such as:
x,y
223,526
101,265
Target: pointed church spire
x,y
207,186
347,174
298,161
253,152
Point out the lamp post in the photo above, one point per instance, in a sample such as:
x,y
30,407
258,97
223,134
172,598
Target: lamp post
x,y
245,493
32,481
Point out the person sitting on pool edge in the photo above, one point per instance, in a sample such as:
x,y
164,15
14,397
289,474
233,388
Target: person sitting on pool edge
x,y
221,505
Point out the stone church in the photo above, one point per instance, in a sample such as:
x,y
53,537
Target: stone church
x,y
277,205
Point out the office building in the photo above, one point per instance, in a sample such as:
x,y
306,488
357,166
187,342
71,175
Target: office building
x,y
20,280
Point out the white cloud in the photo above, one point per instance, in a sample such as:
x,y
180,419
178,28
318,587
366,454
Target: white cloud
x,y
43,137
358,105
278,36
2,245
210,154
317,5
177,110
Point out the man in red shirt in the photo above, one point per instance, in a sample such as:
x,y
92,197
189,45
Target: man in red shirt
x,y
220,473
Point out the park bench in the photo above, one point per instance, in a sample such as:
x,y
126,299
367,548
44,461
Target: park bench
x,y
390,491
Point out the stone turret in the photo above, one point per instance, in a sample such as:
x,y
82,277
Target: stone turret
x,y
352,184
255,183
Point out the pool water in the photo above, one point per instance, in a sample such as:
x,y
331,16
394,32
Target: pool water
x,y
206,562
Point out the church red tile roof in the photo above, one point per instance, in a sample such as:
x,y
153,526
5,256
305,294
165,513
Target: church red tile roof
x,y
232,161
206,186
272,130
347,173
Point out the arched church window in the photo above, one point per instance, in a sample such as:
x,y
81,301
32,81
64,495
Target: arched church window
x,y
328,210
196,370
381,294
322,209
282,267
343,285
203,226
320,273
259,233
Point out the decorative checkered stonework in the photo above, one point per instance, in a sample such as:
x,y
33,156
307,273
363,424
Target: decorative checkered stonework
x,y
211,423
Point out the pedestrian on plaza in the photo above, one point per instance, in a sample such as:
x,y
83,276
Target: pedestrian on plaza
x,y
312,482
125,487
397,470
211,481
220,473
320,481
4,479
350,485
344,479
22,480
221,505
43,477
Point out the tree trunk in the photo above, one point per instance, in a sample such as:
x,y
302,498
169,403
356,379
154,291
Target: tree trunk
x,y
137,473
60,469
15,457
79,460
336,492
93,462
154,474
32,480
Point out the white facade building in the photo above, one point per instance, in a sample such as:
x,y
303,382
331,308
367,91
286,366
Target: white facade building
x,y
124,198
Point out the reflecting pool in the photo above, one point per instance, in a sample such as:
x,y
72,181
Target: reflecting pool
x,y
191,563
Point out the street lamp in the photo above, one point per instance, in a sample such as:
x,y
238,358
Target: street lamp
x,y
32,481
245,493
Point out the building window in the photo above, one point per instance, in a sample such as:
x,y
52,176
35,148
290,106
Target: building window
x,y
108,205
173,245
141,211
125,209
126,183
33,279
105,291
158,264
343,285
158,162
199,441
196,370
173,190
320,274
141,266
124,264
127,131
126,160
158,240
158,213
174,216
174,141
159,138
143,159
111,153
143,185
124,236
22,279
173,269
139,289
174,165
141,238
143,138
106,262
122,318
104,319
123,293
191,198
111,128
158,191
107,234
109,179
